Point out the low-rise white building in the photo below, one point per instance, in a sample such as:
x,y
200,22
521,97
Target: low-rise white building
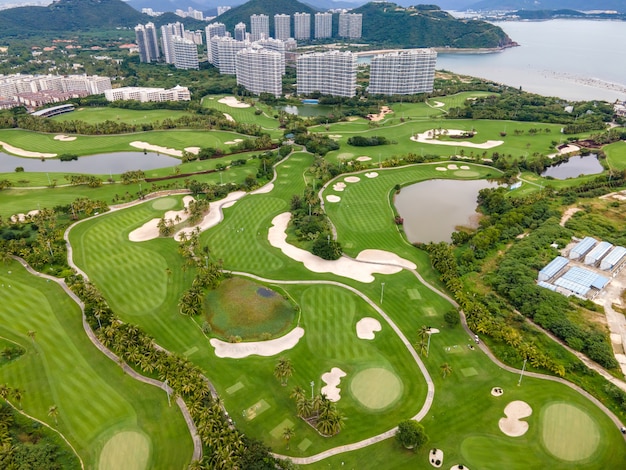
x,y
145,94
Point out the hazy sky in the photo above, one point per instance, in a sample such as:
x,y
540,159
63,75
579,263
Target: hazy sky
x,y
17,3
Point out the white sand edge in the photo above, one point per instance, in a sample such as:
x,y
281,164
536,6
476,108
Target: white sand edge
x,y
512,425
156,148
25,153
64,138
229,117
215,215
21,217
428,138
259,348
367,327
332,380
233,102
346,267
150,230
434,456
384,257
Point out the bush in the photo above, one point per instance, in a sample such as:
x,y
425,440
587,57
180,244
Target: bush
x,y
411,434
452,318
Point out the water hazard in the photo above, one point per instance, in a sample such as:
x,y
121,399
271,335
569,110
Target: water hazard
x,y
574,167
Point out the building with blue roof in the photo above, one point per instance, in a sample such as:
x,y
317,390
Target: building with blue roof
x,y
595,255
553,268
582,247
614,259
582,282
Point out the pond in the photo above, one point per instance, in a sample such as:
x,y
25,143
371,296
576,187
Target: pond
x,y
433,209
574,167
307,110
103,164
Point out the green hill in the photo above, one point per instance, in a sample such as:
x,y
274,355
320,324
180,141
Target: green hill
x,y
391,25
69,15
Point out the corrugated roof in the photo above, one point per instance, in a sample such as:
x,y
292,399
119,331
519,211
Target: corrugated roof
x,y
583,246
575,287
598,252
584,277
614,257
554,267
546,285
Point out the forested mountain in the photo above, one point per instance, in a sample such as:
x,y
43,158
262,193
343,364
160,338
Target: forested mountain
x,y
426,26
69,15
583,5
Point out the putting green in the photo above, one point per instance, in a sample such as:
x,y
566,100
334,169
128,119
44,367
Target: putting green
x,y
466,174
376,388
164,203
568,432
128,449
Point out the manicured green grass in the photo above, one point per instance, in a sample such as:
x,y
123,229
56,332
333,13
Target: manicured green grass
x,y
98,115
243,308
129,450
61,367
245,115
569,433
616,155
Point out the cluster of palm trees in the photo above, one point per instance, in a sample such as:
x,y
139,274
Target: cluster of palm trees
x,y
319,412
7,392
283,370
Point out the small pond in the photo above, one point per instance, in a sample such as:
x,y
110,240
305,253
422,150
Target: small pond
x,y
103,164
307,110
433,209
574,167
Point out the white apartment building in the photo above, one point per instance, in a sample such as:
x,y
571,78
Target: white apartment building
x,y
168,32
330,73
403,72
226,53
185,54
221,10
147,43
145,94
214,29
282,27
259,27
259,70
350,25
275,45
323,25
240,31
302,26
195,36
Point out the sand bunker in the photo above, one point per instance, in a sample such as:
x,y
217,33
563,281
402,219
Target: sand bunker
x,y
233,102
367,327
438,104
464,167
452,166
332,379
512,424
64,138
352,179
381,115
156,148
435,457
373,174
346,267
441,168
333,198
25,153
229,117
459,467
150,230
497,391
233,142
335,136
194,150
258,348
266,188
363,159
339,186
21,217
215,214
429,137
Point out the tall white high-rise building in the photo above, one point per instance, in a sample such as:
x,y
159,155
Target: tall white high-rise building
x,y
227,49
258,70
302,26
240,31
350,25
147,42
330,73
215,29
282,26
168,32
403,72
323,25
185,54
275,45
259,27
222,10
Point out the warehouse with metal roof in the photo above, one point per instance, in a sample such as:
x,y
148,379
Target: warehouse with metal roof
x,y
614,259
598,253
553,268
582,282
582,247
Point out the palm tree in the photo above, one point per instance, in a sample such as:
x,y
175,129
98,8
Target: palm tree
x,y
283,370
445,369
297,393
288,433
18,395
31,334
5,391
53,412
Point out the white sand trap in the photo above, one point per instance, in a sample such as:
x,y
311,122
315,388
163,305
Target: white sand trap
x,y
433,331
156,148
238,140
335,136
258,348
363,159
434,456
233,102
194,150
229,117
339,186
438,104
452,166
384,257
458,467
64,138
441,168
465,167
373,174
150,230
21,217
429,137
381,115
512,424
332,379
346,267
333,198
497,391
25,153
367,327
230,142
569,149
266,188
352,179
215,215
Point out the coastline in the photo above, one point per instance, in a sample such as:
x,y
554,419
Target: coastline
x,y
440,50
